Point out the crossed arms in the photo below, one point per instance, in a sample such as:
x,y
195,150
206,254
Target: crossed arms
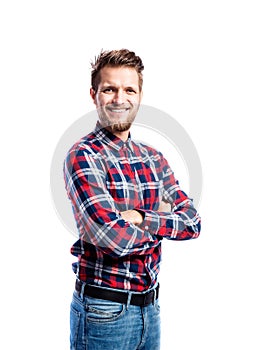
x,y
125,232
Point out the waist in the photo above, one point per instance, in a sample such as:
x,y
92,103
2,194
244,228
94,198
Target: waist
x,y
119,296
136,273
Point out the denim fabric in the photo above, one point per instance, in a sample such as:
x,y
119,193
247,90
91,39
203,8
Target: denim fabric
x,y
97,324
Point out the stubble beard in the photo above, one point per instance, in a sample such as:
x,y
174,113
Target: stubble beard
x,y
117,126
120,127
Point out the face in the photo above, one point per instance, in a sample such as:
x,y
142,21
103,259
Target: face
x,y
117,98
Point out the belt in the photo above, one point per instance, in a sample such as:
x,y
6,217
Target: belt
x,y
138,299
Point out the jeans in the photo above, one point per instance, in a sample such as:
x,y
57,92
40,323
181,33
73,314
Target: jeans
x,y
97,324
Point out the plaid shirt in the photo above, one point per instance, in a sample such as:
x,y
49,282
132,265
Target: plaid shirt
x,y
104,176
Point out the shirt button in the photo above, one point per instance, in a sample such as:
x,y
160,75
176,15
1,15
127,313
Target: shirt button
x,y
146,227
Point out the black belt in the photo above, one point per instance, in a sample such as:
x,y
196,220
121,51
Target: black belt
x,y
138,299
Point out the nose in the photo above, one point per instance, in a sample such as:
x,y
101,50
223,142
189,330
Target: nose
x,y
119,97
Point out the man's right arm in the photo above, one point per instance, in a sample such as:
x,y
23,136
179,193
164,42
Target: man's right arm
x,y
104,226
132,216
135,216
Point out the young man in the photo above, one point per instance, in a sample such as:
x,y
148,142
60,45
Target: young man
x,y
118,188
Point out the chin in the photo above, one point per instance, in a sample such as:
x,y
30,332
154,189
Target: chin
x,y
120,127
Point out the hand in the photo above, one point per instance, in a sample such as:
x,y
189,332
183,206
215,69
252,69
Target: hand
x,y
164,207
132,216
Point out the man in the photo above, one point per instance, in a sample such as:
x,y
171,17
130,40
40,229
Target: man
x,y
118,188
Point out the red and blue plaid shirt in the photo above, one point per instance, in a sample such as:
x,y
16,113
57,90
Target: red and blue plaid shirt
x,y
105,176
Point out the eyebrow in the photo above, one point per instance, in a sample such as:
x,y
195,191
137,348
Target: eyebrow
x,y
111,85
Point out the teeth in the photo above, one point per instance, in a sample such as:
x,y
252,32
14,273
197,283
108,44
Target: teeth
x,y
118,110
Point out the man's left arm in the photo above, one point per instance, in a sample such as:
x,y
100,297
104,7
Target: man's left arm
x,y
182,222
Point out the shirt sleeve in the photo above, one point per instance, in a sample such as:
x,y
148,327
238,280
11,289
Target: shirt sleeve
x,y
100,223
183,222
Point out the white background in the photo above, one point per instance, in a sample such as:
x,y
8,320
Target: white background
x,y
198,69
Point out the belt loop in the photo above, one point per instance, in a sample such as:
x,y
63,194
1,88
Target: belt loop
x,y
128,300
82,291
154,296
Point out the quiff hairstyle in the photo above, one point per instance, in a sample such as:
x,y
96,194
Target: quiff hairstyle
x,y
115,58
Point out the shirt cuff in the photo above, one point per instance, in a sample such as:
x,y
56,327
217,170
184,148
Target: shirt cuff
x,y
151,221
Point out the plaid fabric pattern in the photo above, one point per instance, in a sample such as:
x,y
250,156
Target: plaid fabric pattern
x,y
104,176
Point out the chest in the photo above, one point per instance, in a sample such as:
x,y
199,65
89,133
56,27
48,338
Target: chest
x,y
134,181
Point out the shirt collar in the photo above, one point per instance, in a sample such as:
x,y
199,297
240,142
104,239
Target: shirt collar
x,y
110,139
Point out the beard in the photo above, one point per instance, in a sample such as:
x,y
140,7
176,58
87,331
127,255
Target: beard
x,y
120,127
117,122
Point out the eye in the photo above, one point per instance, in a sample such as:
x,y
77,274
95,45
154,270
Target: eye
x,y
130,91
107,90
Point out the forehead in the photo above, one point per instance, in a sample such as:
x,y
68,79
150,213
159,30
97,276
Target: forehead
x,y
126,76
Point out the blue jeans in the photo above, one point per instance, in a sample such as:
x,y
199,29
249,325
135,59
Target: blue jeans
x,y
97,324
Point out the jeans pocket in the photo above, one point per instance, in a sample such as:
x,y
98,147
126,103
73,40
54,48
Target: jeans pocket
x,y
98,310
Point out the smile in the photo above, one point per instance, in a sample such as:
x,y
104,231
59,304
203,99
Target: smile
x,y
118,110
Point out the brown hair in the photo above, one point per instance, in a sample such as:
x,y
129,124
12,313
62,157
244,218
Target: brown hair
x,y
116,58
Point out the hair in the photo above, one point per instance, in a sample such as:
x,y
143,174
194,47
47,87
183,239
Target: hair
x,y
115,58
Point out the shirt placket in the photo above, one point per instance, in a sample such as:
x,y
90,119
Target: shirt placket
x,y
134,200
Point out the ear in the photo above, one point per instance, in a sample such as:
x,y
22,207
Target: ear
x,y
93,95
